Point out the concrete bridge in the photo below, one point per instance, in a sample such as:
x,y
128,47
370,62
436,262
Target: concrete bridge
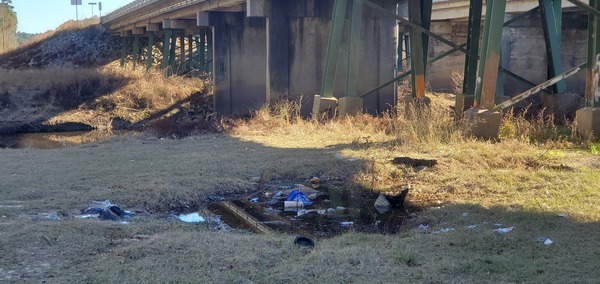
x,y
260,51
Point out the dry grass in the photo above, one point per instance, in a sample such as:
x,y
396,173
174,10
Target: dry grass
x,y
102,98
521,181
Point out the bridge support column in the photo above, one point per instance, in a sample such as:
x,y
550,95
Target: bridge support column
x,y
588,118
465,100
136,50
190,61
166,50
149,49
419,12
483,121
278,38
124,43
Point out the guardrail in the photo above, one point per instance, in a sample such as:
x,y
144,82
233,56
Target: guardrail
x,y
127,9
128,12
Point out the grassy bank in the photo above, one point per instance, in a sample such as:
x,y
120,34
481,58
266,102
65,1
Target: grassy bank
x,y
525,181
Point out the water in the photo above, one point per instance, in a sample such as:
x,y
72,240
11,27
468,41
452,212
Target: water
x,y
335,211
53,140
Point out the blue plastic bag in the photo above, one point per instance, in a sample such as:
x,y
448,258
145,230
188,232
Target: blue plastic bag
x,y
298,196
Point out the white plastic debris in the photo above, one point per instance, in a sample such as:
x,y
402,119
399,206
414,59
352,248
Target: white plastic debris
x,y
330,210
444,230
254,200
191,218
503,230
340,208
497,225
472,226
564,215
346,223
465,214
423,227
545,240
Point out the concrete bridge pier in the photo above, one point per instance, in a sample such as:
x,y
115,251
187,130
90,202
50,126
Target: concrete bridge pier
x,y
275,50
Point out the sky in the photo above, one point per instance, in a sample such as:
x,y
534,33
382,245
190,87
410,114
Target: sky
x,y
38,16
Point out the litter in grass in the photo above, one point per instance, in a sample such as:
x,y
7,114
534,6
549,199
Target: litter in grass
x,y
346,224
545,240
423,227
191,218
503,230
104,210
564,215
472,226
444,230
297,196
465,214
303,241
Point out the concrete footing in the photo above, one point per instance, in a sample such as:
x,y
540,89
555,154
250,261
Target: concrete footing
x,y
462,103
484,123
321,105
588,121
350,106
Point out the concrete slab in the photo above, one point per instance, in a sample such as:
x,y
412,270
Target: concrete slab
x,y
484,123
350,106
587,122
323,104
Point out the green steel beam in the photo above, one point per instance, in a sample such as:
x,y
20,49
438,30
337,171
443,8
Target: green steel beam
x,y
414,26
353,49
418,55
209,50
173,51
181,51
149,55
202,50
490,53
426,9
521,16
399,43
123,50
588,8
136,50
473,36
403,75
333,48
190,42
538,88
521,79
552,31
166,48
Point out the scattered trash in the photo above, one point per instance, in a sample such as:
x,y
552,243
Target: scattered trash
x,y
465,214
423,227
191,218
545,240
302,241
104,210
382,204
497,225
315,180
351,160
564,215
340,208
472,226
330,210
414,162
254,200
293,205
385,202
346,224
298,196
313,195
444,230
504,230
301,212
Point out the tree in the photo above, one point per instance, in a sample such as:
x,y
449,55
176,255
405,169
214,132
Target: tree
x,y
8,26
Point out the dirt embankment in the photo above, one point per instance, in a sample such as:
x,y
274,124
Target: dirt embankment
x,y
70,80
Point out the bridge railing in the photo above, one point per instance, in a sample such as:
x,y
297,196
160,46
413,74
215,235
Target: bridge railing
x,y
127,9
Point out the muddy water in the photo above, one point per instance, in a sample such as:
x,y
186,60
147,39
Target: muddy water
x,y
334,211
53,140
